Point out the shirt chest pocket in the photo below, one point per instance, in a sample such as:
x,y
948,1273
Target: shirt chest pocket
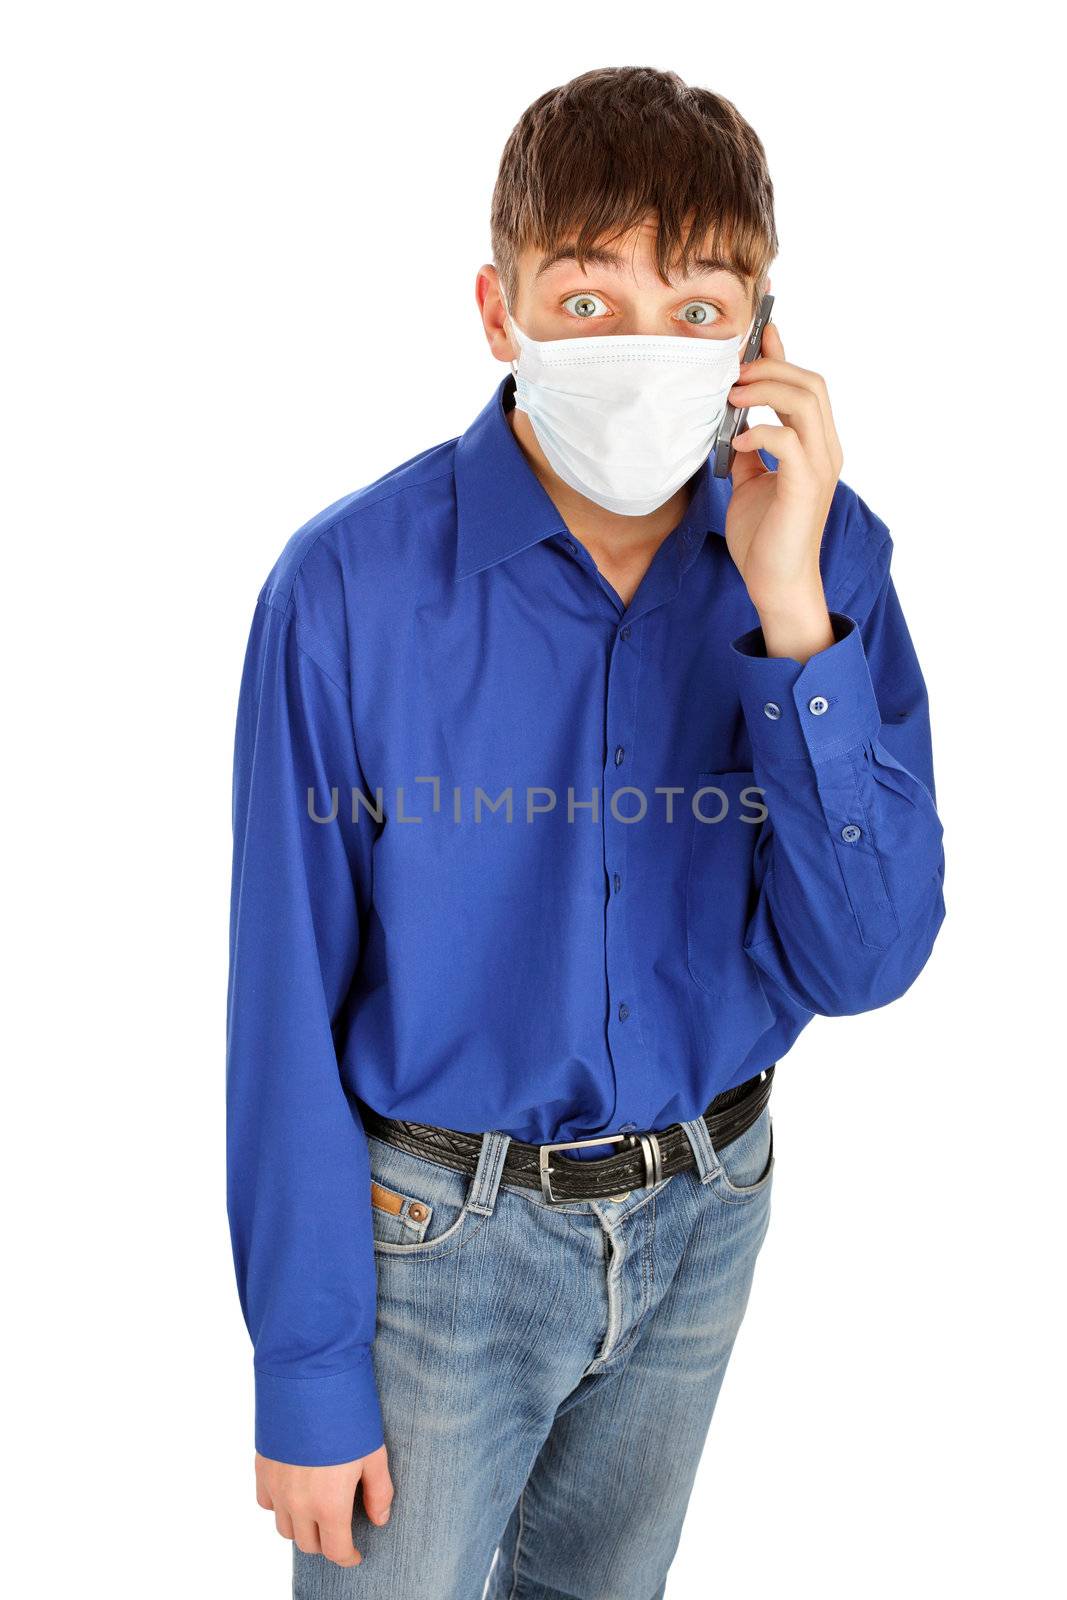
x,y
726,817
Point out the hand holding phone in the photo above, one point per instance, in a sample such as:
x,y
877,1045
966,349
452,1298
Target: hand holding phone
x,y
734,417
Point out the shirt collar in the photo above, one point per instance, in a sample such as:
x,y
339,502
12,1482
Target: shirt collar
x,y
502,507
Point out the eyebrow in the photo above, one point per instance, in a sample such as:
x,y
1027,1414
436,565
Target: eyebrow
x,y
597,256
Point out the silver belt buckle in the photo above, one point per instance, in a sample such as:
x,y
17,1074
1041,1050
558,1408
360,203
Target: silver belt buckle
x,y
649,1147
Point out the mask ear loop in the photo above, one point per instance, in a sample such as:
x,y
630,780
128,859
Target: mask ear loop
x,y
513,363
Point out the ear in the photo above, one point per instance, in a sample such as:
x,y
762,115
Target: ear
x,y
488,293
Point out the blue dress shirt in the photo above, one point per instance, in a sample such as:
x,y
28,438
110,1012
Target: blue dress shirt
x,y
511,854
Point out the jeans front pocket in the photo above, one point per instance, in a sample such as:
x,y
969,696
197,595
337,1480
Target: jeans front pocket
x,y
418,1206
728,810
747,1162
398,1218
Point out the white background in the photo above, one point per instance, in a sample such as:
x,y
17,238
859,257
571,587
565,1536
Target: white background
x,y
239,284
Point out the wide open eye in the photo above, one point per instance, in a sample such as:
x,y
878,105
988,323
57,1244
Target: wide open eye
x,y
584,305
700,313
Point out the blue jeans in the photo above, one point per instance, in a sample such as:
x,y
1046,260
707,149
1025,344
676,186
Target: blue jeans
x,y
547,1374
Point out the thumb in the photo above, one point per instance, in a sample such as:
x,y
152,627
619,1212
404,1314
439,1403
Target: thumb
x,y
377,1486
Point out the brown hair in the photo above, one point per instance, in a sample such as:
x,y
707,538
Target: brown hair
x,y
588,161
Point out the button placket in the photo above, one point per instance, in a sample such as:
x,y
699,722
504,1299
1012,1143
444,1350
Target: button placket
x,y
623,1023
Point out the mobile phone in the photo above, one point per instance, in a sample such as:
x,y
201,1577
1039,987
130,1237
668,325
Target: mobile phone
x,y
733,421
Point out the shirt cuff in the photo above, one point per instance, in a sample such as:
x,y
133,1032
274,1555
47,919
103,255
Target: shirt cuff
x,y
319,1422
810,711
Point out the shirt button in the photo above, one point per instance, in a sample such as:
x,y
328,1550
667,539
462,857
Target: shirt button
x,y
624,1011
619,755
818,704
625,634
616,883
771,710
571,546
850,833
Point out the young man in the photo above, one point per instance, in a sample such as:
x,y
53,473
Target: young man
x,y
571,781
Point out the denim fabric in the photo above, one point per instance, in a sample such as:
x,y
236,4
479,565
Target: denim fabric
x,y
547,1374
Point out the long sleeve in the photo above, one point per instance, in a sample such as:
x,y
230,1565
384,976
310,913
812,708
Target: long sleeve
x,y
850,865
298,1178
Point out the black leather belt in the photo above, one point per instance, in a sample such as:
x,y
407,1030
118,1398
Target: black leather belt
x,y
645,1158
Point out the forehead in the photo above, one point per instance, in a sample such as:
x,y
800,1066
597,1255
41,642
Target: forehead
x,y
629,256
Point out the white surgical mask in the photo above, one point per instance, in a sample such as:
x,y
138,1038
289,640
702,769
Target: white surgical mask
x,y
626,419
